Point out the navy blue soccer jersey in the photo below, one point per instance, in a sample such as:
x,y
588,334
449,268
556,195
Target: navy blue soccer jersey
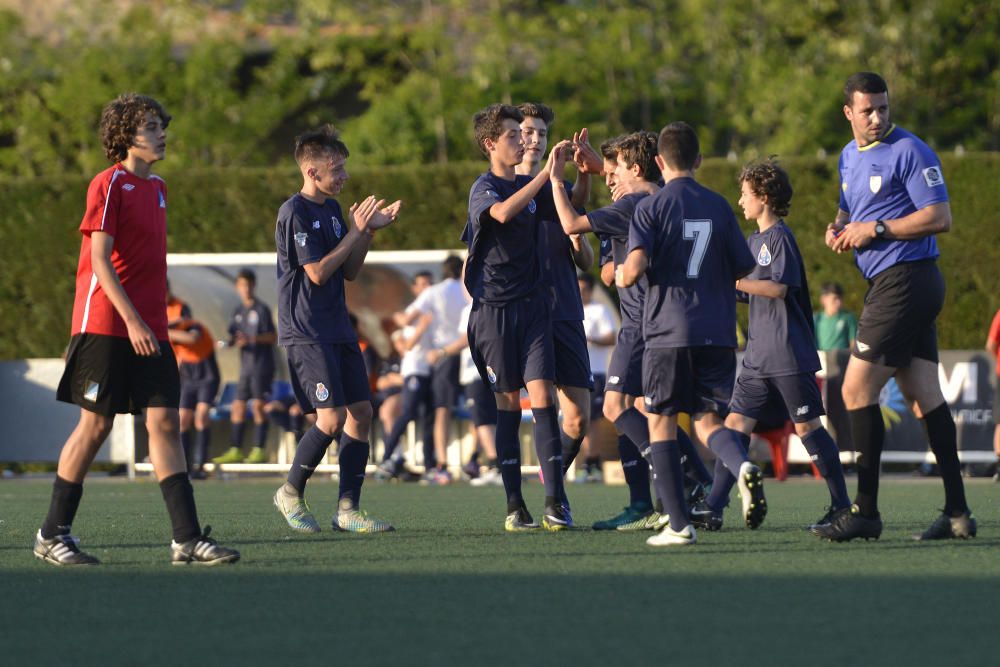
x,y
612,222
605,252
780,340
253,320
309,313
502,265
555,255
695,252
885,180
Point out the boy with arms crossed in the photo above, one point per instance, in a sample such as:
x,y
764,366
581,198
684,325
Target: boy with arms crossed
x,y
780,358
317,250
510,331
686,242
119,359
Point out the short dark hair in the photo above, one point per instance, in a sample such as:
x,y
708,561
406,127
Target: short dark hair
x,y
832,288
451,267
120,119
587,279
318,144
423,274
247,274
609,149
770,182
639,148
678,146
863,82
537,110
488,123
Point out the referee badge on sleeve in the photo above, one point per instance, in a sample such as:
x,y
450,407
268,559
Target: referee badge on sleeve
x,y
933,177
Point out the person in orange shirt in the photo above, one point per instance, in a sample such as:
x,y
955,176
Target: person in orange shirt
x,y
993,347
194,347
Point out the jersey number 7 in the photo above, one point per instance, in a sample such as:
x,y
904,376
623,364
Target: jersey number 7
x,y
699,231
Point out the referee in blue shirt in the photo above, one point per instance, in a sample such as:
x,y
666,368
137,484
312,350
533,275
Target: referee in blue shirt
x,y
893,201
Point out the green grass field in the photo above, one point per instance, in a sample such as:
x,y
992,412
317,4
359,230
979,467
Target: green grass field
x,y
451,587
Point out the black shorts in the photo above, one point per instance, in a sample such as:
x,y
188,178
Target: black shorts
x,y
694,380
897,322
481,403
799,393
327,375
199,383
444,382
255,383
104,375
569,342
625,367
511,344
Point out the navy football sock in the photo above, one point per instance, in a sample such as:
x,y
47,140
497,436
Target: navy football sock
x,y
634,424
722,486
260,434
309,452
236,434
669,480
636,471
352,455
179,497
940,428
187,445
295,423
62,508
728,445
570,448
868,433
694,467
509,455
824,453
202,438
549,450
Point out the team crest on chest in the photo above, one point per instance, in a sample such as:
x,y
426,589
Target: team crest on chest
x,y
875,184
252,317
300,238
764,255
338,229
532,207
322,393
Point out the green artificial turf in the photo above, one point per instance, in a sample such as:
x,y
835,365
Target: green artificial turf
x,y
450,587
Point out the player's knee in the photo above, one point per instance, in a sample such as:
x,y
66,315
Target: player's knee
x,y
331,421
574,425
96,427
613,408
805,428
361,412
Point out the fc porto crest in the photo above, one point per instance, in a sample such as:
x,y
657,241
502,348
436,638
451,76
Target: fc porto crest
x,y
532,207
490,375
764,255
300,238
875,184
338,228
322,393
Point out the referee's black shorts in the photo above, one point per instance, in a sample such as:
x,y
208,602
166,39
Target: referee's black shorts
x,y
104,375
897,322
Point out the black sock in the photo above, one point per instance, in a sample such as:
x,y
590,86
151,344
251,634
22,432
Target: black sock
x,y
868,433
236,434
509,455
179,497
635,425
308,454
693,465
636,471
202,437
352,456
669,481
260,434
62,508
187,445
548,449
570,449
825,455
940,428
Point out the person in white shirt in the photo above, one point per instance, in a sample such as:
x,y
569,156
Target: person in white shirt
x,y
600,327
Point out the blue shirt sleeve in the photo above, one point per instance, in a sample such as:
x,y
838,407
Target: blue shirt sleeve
x,y
266,322
610,220
481,199
844,206
641,233
308,242
785,265
920,172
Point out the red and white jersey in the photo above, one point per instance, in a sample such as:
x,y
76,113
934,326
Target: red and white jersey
x,y
133,210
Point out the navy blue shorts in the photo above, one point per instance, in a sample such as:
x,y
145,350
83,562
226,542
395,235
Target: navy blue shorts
x,y
444,382
625,367
572,358
511,345
199,383
597,396
481,402
694,380
800,394
255,383
328,375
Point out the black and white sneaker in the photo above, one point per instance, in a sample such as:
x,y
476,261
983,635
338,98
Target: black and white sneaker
x,y
62,550
703,516
848,524
751,484
945,527
202,550
823,520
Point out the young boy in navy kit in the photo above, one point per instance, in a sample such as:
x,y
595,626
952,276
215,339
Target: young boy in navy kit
x,y
318,249
780,358
510,330
119,359
686,242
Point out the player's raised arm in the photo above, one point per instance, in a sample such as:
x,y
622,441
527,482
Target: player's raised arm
x,y
571,221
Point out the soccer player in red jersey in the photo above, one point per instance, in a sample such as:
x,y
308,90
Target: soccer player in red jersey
x,y
119,358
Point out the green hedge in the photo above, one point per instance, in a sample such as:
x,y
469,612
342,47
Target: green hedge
x,y
232,210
